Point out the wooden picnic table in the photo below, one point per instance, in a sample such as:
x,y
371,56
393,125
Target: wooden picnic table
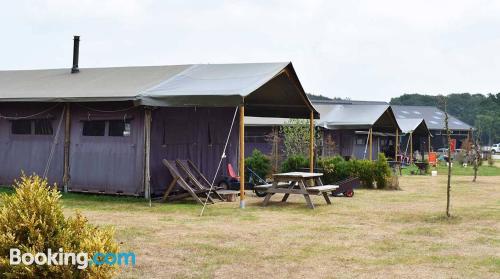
x,y
299,183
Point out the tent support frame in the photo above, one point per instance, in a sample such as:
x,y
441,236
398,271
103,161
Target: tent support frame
x,y
242,156
311,142
67,143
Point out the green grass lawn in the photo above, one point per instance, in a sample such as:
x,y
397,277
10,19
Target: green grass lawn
x,y
375,234
442,169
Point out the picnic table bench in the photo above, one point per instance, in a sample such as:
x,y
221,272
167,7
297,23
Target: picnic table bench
x,y
298,183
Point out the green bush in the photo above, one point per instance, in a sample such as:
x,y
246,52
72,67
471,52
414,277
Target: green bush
x,y
365,170
382,171
427,166
335,169
32,221
294,163
258,163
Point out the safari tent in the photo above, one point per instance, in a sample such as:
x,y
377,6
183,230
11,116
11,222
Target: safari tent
x,y
415,136
351,126
106,130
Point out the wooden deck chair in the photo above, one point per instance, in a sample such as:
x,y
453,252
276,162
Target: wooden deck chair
x,y
181,182
196,177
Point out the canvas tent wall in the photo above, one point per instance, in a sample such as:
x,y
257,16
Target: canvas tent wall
x,y
27,148
197,134
182,97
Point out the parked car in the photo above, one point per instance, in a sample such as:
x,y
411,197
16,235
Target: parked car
x,y
495,148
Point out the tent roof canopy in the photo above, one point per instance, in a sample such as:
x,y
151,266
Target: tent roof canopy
x,y
434,117
334,116
357,116
266,89
417,126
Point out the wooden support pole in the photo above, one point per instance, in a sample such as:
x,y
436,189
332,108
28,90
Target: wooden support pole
x,y
67,142
429,146
411,148
370,144
242,156
396,146
311,142
147,153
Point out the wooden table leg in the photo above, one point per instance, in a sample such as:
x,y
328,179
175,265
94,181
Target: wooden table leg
x,y
327,199
268,196
285,197
306,195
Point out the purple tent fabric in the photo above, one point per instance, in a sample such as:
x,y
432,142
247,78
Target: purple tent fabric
x,y
108,164
196,134
29,153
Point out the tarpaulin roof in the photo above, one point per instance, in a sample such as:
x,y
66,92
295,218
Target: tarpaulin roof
x,y
357,116
343,116
415,125
434,117
266,89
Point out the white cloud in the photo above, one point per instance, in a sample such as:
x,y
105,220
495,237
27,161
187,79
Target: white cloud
x,y
357,49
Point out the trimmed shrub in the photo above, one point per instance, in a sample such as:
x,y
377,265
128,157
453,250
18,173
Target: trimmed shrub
x,y
365,170
382,171
32,221
294,163
335,169
258,163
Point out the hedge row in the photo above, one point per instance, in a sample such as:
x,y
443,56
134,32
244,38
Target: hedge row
x,y
334,168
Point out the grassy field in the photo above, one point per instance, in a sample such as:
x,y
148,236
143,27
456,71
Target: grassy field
x,y
442,169
375,234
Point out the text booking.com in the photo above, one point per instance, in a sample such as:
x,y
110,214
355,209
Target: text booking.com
x,y
81,260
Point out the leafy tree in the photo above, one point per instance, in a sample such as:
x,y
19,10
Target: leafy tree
x,y
312,96
296,137
476,154
448,136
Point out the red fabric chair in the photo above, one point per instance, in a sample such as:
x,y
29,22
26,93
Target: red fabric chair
x,y
231,172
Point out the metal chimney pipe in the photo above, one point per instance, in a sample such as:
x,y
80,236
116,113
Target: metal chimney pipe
x,y
76,50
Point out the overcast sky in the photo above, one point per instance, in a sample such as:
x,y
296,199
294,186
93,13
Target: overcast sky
x,y
368,50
